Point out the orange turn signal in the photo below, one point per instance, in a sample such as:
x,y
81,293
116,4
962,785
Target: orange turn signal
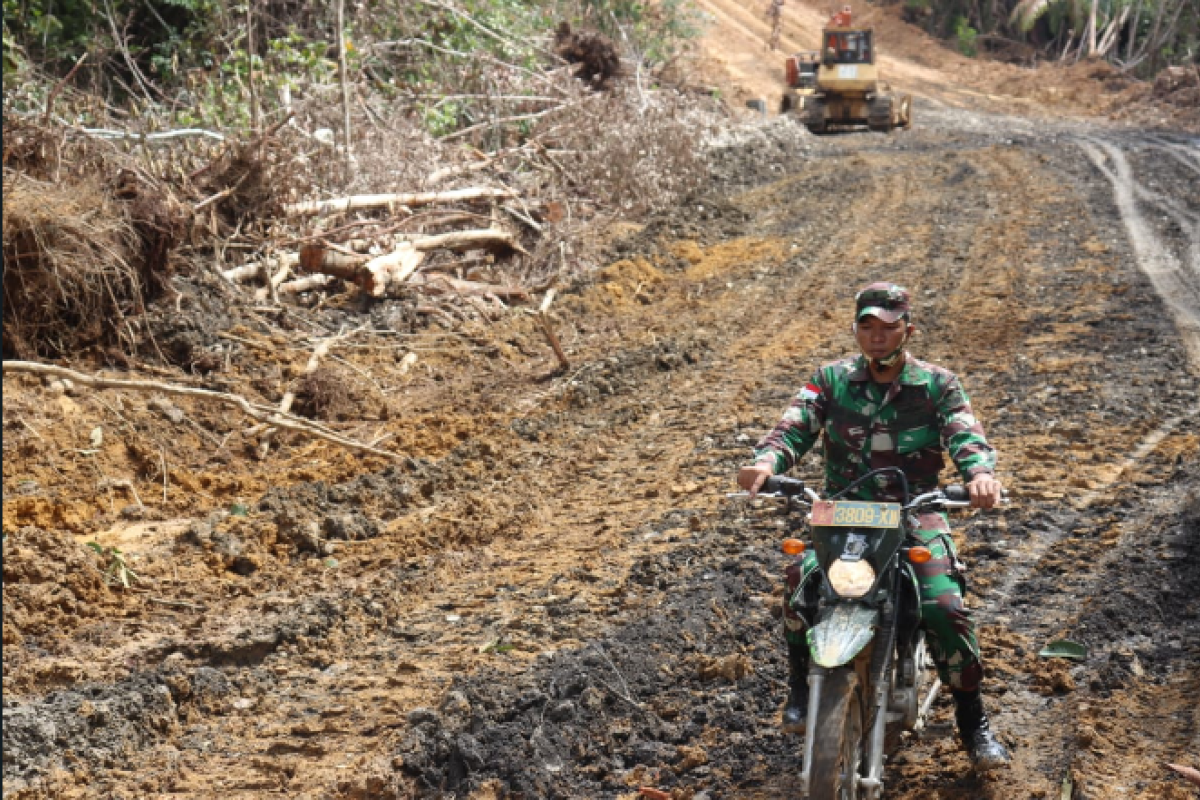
x,y
919,555
793,547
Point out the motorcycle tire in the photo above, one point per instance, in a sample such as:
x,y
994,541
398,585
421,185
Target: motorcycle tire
x,y
838,749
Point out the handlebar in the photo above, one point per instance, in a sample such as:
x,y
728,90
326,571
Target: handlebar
x,y
778,484
779,487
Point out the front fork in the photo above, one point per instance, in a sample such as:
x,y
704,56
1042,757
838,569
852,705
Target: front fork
x,y
816,677
872,784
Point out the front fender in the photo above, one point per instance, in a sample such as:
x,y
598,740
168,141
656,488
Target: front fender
x,y
842,634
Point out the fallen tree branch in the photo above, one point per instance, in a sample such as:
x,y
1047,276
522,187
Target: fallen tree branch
x,y
254,410
257,269
337,260
486,239
106,133
502,120
444,284
1189,774
245,272
355,202
58,88
306,284
271,290
221,195
544,320
439,175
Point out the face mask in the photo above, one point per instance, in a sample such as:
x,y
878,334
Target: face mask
x,y
891,358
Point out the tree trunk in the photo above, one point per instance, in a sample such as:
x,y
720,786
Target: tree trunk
x,y
344,78
1091,38
1133,31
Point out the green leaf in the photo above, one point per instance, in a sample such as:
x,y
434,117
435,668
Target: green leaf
x,y
1064,648
238,510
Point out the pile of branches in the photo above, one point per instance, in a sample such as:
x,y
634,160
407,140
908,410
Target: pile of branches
x,y
486,228
455,226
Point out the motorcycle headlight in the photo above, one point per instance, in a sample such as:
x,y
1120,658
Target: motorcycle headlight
x,y
851,578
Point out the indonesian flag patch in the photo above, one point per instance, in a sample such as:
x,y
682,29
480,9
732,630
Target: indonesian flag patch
x,y
810,392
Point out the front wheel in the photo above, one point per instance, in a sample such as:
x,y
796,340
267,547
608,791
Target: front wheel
x,y
838,746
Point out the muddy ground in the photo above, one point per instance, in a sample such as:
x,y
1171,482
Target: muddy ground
x,y
549,595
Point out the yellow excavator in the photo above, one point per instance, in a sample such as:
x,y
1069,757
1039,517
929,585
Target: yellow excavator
x,y
839,86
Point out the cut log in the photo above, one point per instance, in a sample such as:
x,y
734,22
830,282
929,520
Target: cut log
x,y
319,258
383,274
344,204
377,276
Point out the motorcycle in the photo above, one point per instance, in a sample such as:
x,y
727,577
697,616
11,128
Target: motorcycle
x,y
870,669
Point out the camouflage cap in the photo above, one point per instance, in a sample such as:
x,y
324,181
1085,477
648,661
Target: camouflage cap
x,y
887,301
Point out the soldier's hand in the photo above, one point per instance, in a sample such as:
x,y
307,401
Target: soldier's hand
x,y
985,491
753,476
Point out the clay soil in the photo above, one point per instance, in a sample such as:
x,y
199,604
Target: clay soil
x,y
549,594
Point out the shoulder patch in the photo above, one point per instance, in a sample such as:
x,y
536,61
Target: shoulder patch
x,y
810,392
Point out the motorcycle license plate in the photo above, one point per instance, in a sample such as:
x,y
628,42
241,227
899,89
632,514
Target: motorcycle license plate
x,y
851,513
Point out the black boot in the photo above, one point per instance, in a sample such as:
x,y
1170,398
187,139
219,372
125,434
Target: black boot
x,y
795,712
985,750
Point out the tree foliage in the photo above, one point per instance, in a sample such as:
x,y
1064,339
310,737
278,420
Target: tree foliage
x,y
194,59
1143,36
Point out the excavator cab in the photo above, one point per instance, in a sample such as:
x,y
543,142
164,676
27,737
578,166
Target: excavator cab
x,y
848,47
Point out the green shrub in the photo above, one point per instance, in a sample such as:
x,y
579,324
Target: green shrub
x,y
966,36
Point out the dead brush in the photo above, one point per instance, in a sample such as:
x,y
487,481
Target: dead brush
x,y
641,153
68,282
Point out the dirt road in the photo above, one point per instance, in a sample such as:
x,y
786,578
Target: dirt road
x,y
551,596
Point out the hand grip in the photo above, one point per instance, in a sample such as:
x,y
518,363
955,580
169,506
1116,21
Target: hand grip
x,y
788,487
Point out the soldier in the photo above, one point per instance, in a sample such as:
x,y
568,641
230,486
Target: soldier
x,y
775,15
885,408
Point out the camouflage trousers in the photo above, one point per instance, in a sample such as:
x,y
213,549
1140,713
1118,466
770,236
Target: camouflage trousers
x,y
950,633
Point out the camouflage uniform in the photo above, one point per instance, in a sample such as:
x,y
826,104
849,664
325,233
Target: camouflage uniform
x,y
866,426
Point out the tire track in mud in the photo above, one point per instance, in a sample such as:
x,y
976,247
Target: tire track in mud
x,y
1176,279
